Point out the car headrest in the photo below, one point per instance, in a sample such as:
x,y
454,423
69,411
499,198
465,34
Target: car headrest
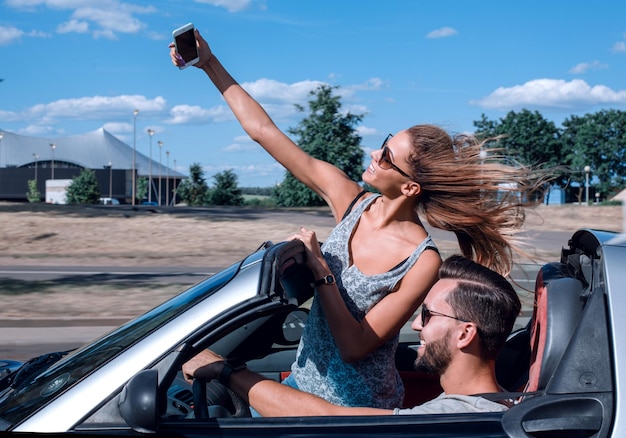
x,y
557,310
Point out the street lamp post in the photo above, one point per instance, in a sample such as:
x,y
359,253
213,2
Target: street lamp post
x,y
174,186
134,177
111,181
167,179
160,155
36,157
150,133
52,147
587,170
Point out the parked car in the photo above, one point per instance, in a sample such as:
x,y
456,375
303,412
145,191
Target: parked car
x,y
568,361
109,201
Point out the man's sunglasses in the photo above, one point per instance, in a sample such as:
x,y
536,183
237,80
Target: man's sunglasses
x,y
385,159
427,314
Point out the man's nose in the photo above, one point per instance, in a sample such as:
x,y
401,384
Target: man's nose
x,y
417,324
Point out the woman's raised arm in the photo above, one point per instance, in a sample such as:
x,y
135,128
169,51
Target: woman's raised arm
x,y
328,181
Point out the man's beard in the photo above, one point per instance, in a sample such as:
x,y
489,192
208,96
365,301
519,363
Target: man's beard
x,y
435,358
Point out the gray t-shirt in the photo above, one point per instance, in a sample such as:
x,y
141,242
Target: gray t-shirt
x,y
373,380
453,404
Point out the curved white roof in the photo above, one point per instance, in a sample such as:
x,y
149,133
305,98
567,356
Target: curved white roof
x,y
91,150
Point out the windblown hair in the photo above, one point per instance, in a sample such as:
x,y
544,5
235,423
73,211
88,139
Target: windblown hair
x,y
478,195
483,297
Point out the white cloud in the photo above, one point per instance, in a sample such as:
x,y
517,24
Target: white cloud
x,y
584,66
261,170
619,46
8,34
250,171
354,109
552,93
241,147
119,127
370,84
193,114
269,90
444,32
93,108
9,116
229,5
365,131
73,26
242,143
277,98
104,18
243,139
37,34
39,131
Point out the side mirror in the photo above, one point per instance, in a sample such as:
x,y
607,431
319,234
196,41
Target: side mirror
x,y
138,401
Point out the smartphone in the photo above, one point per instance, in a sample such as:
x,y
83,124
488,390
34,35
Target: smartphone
x,y
185,43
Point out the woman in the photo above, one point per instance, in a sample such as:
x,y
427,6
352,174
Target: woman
x,y
374,270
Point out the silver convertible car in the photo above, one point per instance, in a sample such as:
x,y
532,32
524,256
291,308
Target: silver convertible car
x,y
565,366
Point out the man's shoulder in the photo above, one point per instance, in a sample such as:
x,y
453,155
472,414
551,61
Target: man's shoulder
x,y
454,404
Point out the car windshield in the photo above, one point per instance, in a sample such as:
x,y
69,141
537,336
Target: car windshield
x,y
35,390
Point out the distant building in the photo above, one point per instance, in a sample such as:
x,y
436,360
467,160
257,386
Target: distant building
x,y
24,158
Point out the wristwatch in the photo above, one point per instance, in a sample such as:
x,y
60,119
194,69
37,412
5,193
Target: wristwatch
x,y
328,279
228,369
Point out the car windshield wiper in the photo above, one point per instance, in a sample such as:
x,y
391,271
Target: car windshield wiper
x,y
31,367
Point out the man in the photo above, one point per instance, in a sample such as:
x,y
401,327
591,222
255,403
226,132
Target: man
x,y
465,320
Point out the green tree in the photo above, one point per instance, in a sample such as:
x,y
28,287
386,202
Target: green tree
x,y
194,190
527,136
226,190
142,188
83,189
329,135
599,141
33,194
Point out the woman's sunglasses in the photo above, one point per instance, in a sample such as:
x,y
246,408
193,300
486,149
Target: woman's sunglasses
x,y
385,159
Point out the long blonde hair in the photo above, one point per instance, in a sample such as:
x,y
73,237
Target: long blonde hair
x,y
469,190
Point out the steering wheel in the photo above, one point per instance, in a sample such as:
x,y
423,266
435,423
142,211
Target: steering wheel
x,y
211,399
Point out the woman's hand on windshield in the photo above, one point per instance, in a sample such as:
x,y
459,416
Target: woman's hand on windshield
x,y
314,258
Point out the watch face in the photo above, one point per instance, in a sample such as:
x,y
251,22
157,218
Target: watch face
x,y
329,279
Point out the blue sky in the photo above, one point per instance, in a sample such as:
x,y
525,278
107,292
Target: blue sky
x,y
73,66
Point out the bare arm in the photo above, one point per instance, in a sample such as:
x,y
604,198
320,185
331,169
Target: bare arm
x,y
328,181
269,398
356,339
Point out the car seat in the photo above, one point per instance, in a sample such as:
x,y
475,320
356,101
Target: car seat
x,y
531,354
557,310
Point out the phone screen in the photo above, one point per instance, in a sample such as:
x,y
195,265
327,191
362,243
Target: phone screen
x,y
186,45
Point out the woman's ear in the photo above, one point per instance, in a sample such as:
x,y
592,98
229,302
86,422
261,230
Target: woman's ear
x,y
411,189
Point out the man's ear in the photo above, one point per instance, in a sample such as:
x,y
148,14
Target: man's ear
x,y
411,189
467,335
